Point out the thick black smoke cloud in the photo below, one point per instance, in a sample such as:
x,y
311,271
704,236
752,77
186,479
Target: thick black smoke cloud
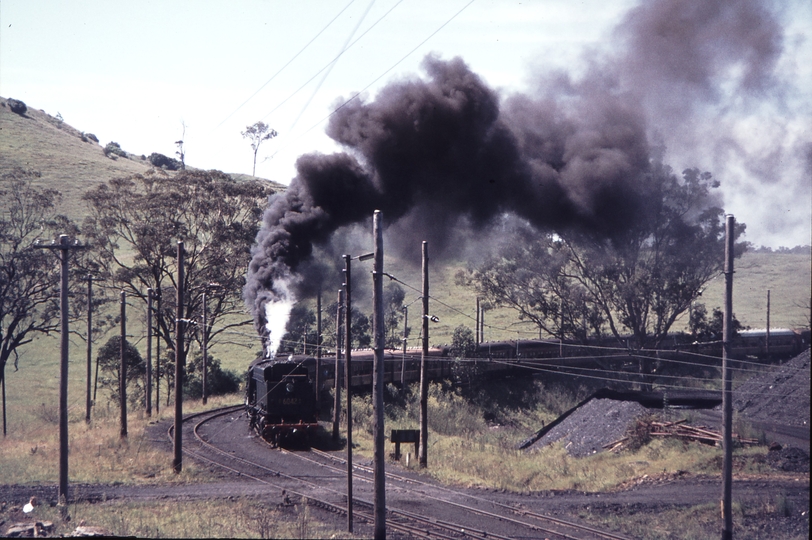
x,y
437,152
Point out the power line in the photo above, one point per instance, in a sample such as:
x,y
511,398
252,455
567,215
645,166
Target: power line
x,y
332,65
311,128
331,62
295,56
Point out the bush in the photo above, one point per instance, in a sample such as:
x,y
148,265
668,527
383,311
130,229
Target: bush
x,y
17,106
113,148
109,359
218,380
164,162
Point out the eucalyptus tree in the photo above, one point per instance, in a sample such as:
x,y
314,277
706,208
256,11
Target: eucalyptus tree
x,y
29,278
257,133
633,285
134,225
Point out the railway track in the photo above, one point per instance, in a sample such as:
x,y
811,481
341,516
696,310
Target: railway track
x,y
323,487
541,522
404,522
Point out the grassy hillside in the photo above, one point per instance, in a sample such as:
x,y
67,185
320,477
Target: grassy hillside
x,y
43,143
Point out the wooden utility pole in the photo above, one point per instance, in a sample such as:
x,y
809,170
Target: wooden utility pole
x,y
379,474
205,349
424,381
122,370
177,463
337,372
727,385
64,246
767,344
148,382
89,401
318,351
405,340
348,382
478,337
158,352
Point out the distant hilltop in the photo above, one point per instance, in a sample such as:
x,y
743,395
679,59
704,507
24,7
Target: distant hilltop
x,y
69,159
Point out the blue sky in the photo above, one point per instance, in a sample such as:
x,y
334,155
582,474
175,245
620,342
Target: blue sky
x,y
136,72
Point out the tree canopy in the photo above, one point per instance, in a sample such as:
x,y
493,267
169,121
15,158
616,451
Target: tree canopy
x,y
29,278
257,133
134,226
636,284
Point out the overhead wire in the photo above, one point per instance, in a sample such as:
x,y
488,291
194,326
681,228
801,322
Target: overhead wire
x,y
332,65
295,56
348,47
358,93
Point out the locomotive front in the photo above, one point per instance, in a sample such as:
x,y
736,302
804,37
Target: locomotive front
x,y
281,401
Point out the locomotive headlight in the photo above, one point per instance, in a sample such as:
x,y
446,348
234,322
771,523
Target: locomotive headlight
x,y
289,387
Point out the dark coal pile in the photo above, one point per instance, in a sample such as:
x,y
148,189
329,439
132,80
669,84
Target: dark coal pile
x,y
593,425
789,460
780,395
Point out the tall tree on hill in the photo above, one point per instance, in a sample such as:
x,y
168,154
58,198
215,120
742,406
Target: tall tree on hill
x,y
256,134
575,285
134,225
29,278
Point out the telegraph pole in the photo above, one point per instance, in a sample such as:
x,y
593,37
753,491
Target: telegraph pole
x,y
767,344
148,383
318,351
478,340
424,382
379,473
158,351
89,401
348,381
122,371
205,348
405,340
337,372
727,385
177,463
64,246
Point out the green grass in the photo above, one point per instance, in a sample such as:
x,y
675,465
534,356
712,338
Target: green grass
x,y
474,438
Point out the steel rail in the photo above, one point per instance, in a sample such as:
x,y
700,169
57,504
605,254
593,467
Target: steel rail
x,y
514,509
467,508
399,526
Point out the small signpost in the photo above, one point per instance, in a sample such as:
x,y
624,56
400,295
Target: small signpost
x,y
405,436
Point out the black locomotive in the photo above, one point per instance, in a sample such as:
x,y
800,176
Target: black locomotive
x,y
281,400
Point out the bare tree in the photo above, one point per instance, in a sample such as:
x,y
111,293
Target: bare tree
x,y
256,134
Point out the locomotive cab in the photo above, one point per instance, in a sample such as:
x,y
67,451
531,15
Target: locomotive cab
x,y
281,401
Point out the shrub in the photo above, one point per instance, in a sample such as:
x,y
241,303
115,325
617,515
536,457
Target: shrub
x,y
113,148
640,433
164,162
17,106
218,380
109,359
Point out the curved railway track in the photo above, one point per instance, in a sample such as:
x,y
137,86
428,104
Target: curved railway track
x,y
323,483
